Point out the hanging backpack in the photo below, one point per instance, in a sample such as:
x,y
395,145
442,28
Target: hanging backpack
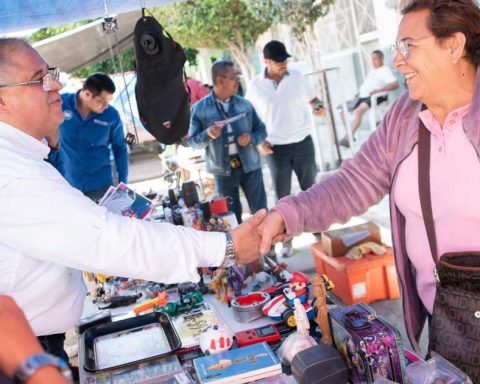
x,y
162,101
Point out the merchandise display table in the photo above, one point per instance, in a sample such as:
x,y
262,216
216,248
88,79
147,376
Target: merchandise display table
x,y
146,371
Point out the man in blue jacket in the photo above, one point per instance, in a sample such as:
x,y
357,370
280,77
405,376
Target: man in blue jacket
x,y
231,146
91,132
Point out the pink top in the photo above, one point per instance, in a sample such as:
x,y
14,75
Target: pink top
x,y
456,208
197,90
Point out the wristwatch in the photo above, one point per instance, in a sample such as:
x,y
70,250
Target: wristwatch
x,y
229,258
33,363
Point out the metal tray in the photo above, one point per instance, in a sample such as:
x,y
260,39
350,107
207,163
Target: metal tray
x,y
129,341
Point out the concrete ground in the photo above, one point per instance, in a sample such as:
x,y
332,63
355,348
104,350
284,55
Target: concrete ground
x,y
145,172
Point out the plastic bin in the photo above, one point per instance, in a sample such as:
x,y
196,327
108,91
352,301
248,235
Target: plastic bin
x,y
366,280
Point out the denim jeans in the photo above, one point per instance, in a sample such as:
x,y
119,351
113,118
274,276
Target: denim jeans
x,y
298,157
252,186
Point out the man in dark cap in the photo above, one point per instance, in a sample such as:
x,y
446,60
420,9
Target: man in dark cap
x,y
281,98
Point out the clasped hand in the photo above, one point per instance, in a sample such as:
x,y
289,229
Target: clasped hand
x,y
255,236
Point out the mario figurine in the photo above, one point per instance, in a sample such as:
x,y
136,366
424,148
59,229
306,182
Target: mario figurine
x,y
297,288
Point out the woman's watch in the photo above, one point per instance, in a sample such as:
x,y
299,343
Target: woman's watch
x,y
229,258
33,363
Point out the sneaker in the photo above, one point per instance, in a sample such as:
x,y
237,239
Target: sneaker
x,y
287,249
344,143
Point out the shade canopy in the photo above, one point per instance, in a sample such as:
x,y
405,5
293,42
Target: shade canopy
x,y
20,15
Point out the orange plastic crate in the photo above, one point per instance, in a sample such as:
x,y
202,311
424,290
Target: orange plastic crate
x,y
366,280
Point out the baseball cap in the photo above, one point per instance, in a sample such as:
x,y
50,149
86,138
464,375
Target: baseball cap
x,y
298,277
276,51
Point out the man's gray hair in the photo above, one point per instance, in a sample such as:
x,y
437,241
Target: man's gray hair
x,y
220,68
8,46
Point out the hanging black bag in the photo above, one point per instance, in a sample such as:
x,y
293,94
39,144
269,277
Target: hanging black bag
x,y
454,332
162,101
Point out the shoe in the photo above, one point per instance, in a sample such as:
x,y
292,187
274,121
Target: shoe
x,y
287,249
344,143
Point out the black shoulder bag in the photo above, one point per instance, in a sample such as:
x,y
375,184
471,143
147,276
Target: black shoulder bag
x,y
455,330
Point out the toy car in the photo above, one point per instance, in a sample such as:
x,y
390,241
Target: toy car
x,y
187,302
281,308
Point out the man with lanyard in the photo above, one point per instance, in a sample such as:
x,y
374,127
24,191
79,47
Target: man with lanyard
x,y
227,126
91,132
280,97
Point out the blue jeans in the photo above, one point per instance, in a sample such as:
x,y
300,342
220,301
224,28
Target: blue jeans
x,y
298,157
252,186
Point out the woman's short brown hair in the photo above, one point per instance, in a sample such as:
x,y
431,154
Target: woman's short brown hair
x,y
450,16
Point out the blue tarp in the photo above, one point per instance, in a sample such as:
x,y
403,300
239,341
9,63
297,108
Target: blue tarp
x,y
20,15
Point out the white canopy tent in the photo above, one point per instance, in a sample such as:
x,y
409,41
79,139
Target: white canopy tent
x,y
20,15
80,47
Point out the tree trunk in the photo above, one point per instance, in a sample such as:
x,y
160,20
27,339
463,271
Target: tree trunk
x,y
244,61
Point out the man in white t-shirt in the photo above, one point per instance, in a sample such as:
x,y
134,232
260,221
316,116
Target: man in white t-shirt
x,y
380,79
281,98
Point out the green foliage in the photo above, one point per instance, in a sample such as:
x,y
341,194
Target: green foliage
x,y
298,14
45,33
191,54
106,66
212,23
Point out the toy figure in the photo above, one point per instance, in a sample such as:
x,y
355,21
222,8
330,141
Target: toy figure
x,y
281,307
236,277
301,319
277,270
122,301
220,281
320,292
297,288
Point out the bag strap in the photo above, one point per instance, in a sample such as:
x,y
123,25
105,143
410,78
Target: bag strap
x,y
424,185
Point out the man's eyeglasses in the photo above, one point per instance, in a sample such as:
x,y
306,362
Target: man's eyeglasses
x,y
403,46
52,75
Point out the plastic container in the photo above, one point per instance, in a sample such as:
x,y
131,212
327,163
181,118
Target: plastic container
x,y
366,280
127,344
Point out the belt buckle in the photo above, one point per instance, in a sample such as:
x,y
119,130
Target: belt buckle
x,y
235,163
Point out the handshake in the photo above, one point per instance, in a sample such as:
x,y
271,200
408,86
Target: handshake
x,y
255,236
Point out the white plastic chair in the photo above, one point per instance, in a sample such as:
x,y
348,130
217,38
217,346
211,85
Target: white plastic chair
x,y
376,112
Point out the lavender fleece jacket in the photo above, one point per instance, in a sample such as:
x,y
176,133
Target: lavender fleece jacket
x,y
364,180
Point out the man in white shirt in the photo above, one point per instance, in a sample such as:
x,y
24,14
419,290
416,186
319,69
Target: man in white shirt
x,y
50,232
281,98
379,79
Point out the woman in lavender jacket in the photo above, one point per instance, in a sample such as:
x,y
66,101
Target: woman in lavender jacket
x,y
438,52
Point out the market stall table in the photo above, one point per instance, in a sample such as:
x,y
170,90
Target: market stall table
x,y
224,313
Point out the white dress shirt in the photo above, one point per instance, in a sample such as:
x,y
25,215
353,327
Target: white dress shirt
x,y
284,107
50,232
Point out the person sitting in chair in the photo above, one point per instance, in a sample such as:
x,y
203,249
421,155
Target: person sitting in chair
x,y
380,79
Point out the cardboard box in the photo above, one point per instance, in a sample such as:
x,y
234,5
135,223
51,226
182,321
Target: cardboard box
x,y
372,278
337,242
